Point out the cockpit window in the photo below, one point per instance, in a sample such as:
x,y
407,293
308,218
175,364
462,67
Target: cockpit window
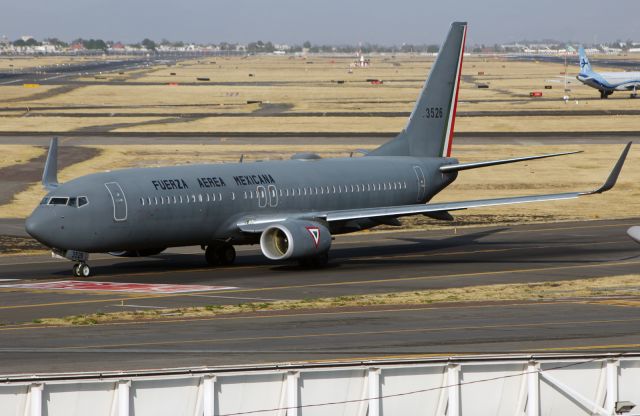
x,y
63,200
44,201
58,200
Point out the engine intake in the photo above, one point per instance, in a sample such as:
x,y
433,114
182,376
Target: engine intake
x,y
295,239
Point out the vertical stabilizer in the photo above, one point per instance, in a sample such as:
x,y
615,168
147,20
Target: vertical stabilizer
x,y
429,131
585,66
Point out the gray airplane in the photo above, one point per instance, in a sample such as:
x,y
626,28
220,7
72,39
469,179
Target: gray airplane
x,y
634,232
291,208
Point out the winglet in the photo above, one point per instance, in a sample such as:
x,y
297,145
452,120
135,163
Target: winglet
x,y
50,174
615,172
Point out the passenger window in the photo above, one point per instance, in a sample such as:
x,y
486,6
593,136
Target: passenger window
x,y
199,197
220,196
181,199
245,194
175,200
233,196
142,201
156,199
193,197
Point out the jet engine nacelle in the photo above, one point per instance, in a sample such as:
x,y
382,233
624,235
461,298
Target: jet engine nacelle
x,y
138,253
295,239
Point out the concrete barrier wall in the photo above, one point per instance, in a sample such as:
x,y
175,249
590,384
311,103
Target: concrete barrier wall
x,y
502,385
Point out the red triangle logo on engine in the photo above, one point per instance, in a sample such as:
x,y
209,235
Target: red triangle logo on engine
x,y
315,234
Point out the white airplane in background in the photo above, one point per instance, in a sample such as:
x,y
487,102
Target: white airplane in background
x,y
607,82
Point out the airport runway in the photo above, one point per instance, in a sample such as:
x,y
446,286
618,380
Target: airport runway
x,y
364,263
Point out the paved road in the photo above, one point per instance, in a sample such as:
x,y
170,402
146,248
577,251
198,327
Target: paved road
x,y
365,263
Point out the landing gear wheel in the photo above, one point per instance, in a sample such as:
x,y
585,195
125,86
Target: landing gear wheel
x,y
84,270
81,270
316,262
211,255
226,254
220,254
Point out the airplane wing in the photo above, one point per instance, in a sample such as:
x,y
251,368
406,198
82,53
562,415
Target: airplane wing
x,y
255,225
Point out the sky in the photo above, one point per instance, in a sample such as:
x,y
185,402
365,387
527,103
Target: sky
x,y
389,22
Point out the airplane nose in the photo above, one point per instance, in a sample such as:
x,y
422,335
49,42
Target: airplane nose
x,y
36,226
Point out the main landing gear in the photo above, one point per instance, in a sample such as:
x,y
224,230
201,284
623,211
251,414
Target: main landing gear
x,y
317,261
220,254
605,94
81,270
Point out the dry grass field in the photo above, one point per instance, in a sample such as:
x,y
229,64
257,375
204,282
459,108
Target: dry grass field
x,y
293,85
13,154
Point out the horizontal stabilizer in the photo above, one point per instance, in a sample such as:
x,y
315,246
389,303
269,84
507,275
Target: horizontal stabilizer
x,y
50,174
474,165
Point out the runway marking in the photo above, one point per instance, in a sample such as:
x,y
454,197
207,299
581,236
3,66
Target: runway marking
x,y
138,306
233,297
346,283
11,82
117,287
351,333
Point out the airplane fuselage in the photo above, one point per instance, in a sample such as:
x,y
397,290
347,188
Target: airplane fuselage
x,y
611,81
135,209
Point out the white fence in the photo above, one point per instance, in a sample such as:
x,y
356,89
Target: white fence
x,y
502,385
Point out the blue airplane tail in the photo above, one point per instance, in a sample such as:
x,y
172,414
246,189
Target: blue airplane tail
x,y
585,66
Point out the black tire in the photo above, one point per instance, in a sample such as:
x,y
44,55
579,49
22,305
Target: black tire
x,y
226,254
316,262
76,270
212,256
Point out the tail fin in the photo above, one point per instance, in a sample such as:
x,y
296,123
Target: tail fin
x,y
429,131
585,66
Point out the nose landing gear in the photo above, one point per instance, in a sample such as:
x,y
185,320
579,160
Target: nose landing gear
x,y
81,270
